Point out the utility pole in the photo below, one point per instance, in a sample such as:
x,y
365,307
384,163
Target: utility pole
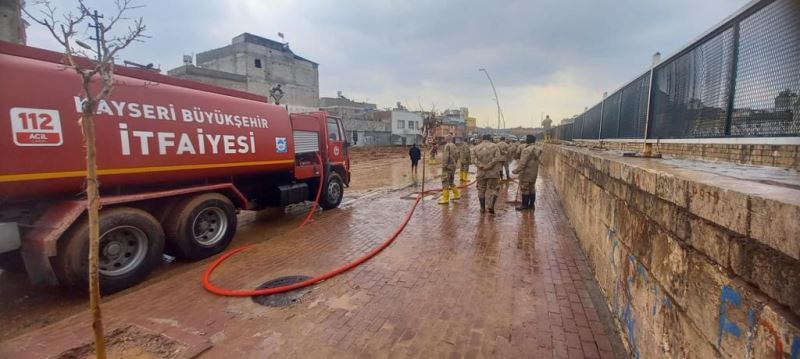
x,y
97,28
496,98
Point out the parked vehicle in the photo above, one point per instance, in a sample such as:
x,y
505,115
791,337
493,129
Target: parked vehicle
x,y
176,160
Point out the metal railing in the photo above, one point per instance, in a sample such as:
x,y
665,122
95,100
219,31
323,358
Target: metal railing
x,y
740,79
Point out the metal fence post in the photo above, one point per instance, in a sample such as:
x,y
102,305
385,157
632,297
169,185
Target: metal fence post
x,y
732,84
647,152
602,105
619,112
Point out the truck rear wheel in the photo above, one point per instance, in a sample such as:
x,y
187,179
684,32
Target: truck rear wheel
x,y
200,226
333,191
131,244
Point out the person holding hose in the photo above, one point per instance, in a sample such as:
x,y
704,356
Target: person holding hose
x,y
449,161
488,159
464,153
528,169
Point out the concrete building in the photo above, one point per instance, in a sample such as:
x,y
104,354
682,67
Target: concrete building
x,y
12,26
346,108
368,132
257,64
406,126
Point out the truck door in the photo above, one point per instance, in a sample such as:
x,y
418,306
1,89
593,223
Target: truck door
x,y
337,149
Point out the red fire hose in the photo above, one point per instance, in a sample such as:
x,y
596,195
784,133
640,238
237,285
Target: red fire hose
x,y
266,291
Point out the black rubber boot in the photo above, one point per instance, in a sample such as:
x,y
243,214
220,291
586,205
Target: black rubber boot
x,y
531,200
483,204
525,203
491,209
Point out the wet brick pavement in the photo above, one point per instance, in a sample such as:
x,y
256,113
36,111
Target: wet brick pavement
x,y
454,284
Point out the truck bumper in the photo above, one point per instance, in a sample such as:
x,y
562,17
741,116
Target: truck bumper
x,y
10,239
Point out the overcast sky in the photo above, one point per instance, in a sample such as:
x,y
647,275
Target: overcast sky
x,y
550,56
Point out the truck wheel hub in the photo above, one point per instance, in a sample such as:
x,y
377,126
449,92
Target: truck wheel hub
x,y
113,249
122,249
210,226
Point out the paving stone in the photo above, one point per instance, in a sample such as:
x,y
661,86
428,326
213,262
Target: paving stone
x,y
454,284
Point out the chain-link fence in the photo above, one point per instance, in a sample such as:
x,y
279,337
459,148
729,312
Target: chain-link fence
x,y
741,79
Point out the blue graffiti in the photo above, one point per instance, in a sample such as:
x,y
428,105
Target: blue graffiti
x,y
795,348
727,297
655,302
751,328
630,323
666,302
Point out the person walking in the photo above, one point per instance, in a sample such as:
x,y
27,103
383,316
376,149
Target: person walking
x,y
449,161
503,147
414,154
488,159
464,153
528,169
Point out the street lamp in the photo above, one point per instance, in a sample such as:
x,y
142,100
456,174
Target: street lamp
x,y
496,98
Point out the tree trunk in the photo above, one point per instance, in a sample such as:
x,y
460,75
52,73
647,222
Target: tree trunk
x,y
93,201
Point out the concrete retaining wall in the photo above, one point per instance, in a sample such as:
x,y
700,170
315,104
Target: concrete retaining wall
x,y
785,156
691,264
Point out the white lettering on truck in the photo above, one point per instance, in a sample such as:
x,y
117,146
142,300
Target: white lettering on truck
x,y
185,144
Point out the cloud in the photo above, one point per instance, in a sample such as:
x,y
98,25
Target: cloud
x,y
551,56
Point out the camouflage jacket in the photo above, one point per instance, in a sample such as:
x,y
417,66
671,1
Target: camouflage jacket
x,y
528,164
488,159
449,156
503,147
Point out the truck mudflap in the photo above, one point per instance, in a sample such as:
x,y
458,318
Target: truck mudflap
x,y
41,241
39,244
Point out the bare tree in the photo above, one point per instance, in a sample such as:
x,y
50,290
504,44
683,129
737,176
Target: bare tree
x,y
97,83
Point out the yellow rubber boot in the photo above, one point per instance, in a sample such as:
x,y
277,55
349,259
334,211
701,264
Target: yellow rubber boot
x,y
445,198
466,176
456,193
461,176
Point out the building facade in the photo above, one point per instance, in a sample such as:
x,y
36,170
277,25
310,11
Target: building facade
x,y
406,127
256,64
346,108
12,26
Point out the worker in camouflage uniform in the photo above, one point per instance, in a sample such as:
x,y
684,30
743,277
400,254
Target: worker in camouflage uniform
x,y
464,159
512,150
450,154
488,159
518,149
503,147
528,169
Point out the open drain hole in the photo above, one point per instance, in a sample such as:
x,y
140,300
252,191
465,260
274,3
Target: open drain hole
x,y
282,299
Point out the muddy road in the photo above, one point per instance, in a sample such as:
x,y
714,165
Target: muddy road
x,y
24,308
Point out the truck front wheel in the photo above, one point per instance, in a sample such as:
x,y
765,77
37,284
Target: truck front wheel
x,y
131,243
200,226
333,191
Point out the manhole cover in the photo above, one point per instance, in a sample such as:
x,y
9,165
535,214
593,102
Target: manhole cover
x,y
282,299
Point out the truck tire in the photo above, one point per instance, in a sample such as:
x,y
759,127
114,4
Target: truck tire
x,y
131,244
12,262
200,226
333,191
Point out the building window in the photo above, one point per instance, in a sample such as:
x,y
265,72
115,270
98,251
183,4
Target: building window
x,y
258,63
401,124
410,125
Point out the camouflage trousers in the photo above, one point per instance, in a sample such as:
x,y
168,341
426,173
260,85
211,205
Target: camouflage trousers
x,y
527,187
447,177
487,187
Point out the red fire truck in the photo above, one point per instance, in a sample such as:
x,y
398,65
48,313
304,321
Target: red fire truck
x,y
176,160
